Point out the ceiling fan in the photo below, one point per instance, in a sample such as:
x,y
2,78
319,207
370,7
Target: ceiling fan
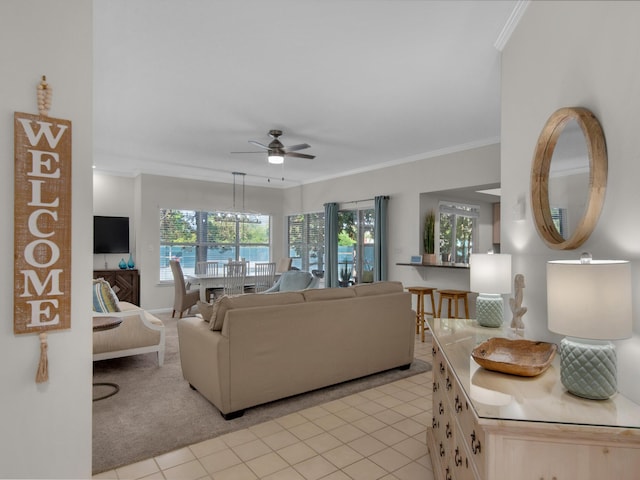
x,y
277,151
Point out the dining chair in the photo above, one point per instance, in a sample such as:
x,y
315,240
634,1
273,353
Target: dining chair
x,y
209,268
183,299
284,265
234,277
265,276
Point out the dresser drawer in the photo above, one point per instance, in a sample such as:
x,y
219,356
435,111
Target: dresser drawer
x,y
471,432
463,468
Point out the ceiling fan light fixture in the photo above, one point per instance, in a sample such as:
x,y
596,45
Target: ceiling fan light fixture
x,y
276,158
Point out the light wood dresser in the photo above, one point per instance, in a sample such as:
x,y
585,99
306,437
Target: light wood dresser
x,y
493,426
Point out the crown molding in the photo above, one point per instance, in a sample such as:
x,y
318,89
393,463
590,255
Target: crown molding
x,y
511,24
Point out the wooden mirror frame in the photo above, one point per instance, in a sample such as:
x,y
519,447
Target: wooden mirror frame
x,y
598,165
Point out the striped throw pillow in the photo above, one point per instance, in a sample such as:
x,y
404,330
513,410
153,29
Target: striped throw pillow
x,y
104,298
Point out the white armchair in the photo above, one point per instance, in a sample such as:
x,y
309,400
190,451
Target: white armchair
x,y
292,280
139,332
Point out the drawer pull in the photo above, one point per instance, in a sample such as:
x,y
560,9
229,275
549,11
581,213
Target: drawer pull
x,y
440,408
458,457
441,368
447,431
458,404
448,475
436,386
448,383
434,423
433,351
441,450
475,444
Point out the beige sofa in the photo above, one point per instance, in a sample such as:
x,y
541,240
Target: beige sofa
x,y
139,332
275,345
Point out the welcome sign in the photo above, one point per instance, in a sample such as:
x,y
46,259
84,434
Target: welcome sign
x,y
42,224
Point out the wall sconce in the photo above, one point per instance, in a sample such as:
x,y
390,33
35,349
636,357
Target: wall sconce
x,y
590,302
519,210
490,276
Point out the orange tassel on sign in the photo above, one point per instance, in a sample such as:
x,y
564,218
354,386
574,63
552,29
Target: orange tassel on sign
x,y
43,367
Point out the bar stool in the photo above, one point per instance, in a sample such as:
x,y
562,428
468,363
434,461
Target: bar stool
x,y
455,296
420,292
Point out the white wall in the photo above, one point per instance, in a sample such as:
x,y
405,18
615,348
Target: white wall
x,y
114,197
141,199
45,430
404,183
574,54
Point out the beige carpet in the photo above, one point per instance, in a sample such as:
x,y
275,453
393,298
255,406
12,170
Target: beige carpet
x,y
156,412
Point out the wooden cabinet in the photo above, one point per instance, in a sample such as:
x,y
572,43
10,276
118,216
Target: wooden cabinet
x,y
126,283
489,426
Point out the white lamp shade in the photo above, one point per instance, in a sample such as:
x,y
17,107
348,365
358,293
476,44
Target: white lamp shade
x,y
589,300
490,273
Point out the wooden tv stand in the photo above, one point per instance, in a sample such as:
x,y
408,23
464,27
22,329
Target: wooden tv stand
x,y
493,426
126,283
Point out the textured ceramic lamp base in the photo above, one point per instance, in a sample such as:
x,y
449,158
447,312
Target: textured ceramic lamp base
x,y
489,310
588,368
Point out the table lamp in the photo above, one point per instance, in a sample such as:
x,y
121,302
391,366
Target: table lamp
x,y
590,302
490,276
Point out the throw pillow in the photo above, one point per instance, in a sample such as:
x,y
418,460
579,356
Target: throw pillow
x,y
219,310
205,309
104,298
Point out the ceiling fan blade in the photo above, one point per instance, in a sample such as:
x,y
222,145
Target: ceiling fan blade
x,y
258,144
299,155
300,146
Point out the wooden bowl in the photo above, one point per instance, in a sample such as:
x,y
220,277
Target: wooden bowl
x,y
526,358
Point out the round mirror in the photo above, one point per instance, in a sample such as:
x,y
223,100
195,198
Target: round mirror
x,y
568,178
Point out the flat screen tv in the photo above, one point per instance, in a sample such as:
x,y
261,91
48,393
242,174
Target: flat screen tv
x,y
110,234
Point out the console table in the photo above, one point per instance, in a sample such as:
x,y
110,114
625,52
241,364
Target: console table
x,y
489,425
125,283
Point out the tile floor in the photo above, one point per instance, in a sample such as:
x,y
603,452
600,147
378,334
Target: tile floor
x,y
376,434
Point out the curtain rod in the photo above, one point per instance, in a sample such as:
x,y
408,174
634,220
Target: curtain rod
x,y
362,200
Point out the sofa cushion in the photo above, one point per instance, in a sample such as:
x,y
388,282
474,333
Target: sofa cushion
x,y
316,294
104,298
377,288
226,302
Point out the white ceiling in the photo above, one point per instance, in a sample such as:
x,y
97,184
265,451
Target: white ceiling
x,y
180,84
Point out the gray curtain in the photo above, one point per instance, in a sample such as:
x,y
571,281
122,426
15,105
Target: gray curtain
x,y
331,244
380,270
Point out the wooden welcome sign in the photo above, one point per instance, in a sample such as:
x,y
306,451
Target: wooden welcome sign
x,y
42,224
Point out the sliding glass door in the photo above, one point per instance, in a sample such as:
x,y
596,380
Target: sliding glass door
x,y
355,246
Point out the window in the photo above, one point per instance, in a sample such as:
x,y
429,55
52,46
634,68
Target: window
x,y
306,241
458,231
559,217
193,236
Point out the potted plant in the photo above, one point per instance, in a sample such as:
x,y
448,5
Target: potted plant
x,y
345,275
428,238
